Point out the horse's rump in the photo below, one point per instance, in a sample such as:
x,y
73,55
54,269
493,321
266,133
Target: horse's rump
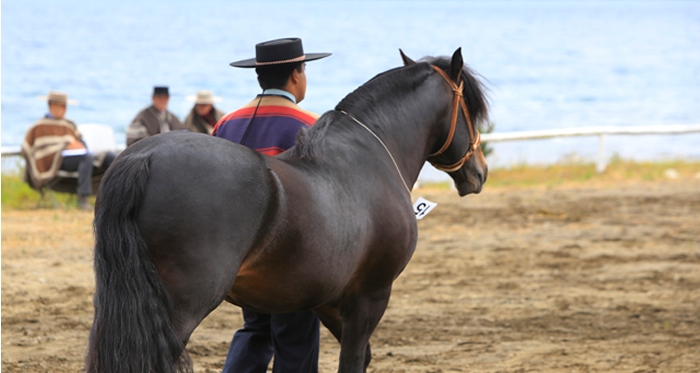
x,y
165,199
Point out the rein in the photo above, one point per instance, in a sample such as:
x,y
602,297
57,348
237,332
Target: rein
x,y
474,136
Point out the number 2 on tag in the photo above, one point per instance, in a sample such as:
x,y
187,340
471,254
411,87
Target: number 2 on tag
x,y
422,207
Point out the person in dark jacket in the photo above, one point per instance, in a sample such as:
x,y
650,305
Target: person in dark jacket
x,y
154,119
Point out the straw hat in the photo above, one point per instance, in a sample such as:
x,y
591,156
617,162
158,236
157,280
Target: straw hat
x,y
58,98
278,52
204,96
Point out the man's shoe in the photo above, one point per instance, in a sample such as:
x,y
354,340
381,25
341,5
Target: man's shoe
x,y
83,204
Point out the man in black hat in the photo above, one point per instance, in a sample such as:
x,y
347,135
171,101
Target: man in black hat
x,y
154,119
269,125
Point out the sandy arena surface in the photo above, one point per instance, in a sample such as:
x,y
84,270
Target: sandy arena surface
x,y
602,278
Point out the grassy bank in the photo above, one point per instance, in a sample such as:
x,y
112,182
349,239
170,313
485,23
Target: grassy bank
x,y
585,173
17,195
618,171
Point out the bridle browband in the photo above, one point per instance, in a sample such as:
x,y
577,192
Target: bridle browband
x,y
474,136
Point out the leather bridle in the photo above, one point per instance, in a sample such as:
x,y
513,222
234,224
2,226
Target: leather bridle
x,y
474,136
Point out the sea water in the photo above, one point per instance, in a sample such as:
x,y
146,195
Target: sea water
x,y
547,64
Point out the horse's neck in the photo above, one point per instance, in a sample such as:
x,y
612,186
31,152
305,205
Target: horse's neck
x,y
407,133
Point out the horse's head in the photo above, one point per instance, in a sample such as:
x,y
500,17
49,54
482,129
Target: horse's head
x,y
457,149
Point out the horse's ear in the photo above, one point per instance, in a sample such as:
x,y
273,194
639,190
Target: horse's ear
x,y
456,65
406,61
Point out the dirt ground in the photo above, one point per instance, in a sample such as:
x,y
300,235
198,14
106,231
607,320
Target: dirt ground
x,y
589,278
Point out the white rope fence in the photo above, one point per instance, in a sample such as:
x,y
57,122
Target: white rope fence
x,y
601,132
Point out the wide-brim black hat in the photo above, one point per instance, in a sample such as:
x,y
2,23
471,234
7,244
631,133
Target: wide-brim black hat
x,y
161,91
279,52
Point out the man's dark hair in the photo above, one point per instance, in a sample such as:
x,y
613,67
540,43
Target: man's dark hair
x,y
276,76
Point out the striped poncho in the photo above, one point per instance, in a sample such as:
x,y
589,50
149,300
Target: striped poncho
x,y
272,131
42,148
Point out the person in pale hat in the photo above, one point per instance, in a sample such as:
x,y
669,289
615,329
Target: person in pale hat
x,y
204,115
154,119
56,97
269,124
54,143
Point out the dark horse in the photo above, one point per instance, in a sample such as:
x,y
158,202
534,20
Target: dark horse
x,y
184,221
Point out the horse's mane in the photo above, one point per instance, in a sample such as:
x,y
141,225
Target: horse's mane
x,y
368,94
381,86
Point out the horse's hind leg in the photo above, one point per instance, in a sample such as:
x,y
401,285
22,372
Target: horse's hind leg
x,y
359,319
194,293
198,237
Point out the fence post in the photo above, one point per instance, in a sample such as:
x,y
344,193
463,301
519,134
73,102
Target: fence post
x,y
602,161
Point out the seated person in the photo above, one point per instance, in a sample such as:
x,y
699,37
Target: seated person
x,y
54,143
154,119
204,115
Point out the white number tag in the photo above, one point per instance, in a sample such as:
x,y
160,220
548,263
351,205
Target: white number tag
x,y
422,207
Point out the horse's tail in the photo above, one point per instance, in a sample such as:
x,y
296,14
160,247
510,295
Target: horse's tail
x,y
132,330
